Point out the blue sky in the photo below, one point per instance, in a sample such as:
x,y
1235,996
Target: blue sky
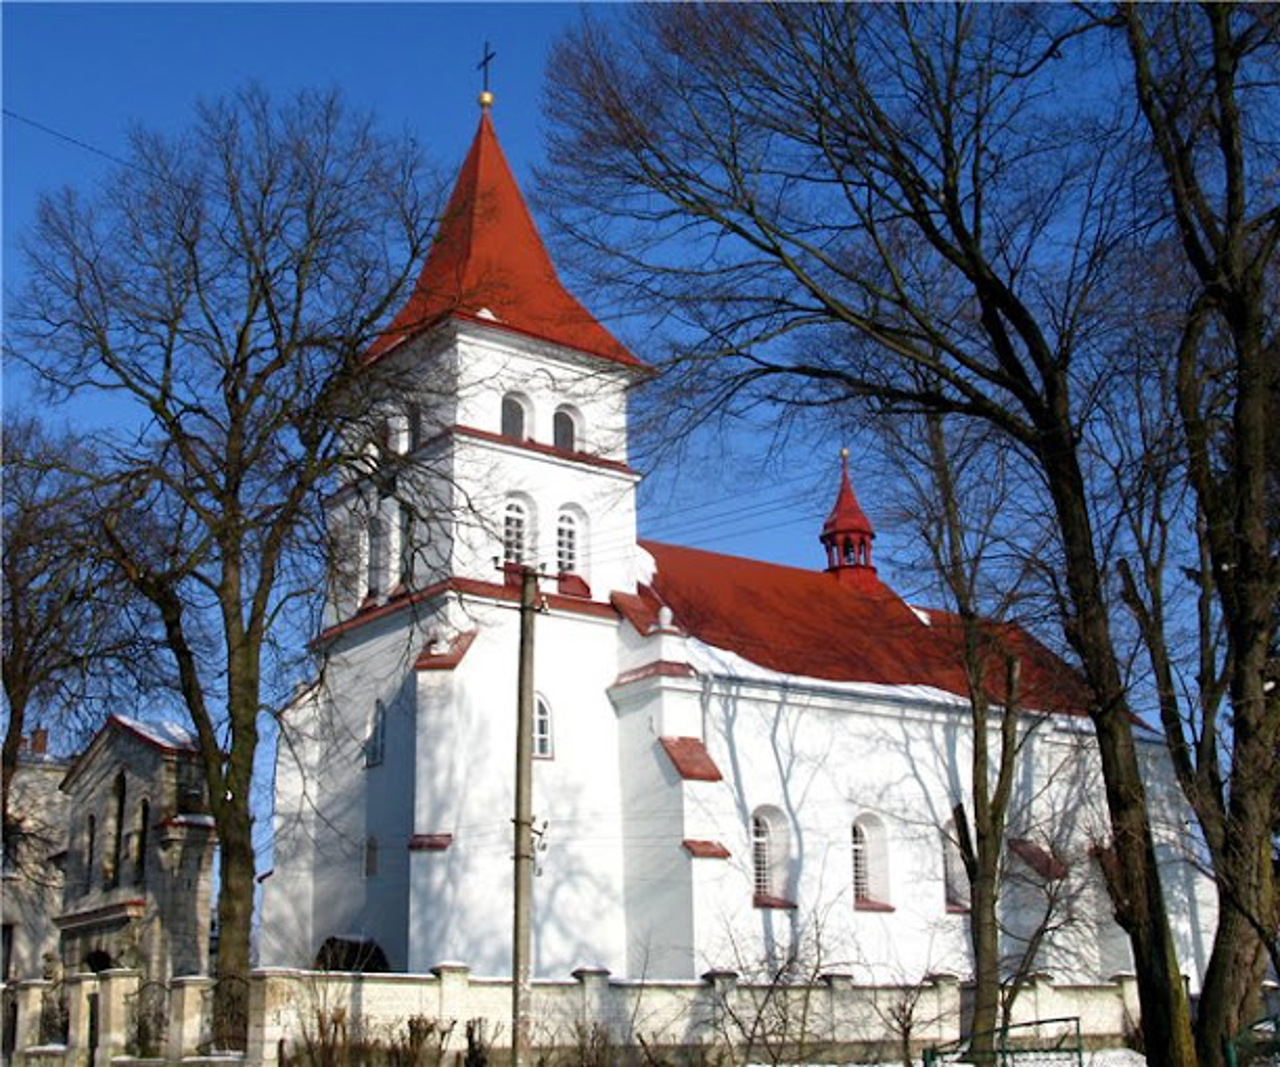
x,y
88,72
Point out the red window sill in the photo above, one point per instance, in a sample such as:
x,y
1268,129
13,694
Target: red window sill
x,y
763,900
872,905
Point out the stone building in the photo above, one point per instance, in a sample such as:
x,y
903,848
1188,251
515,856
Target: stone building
x,y
736,765
34,851
139,854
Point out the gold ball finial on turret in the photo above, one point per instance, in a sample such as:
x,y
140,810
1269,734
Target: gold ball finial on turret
x,y
486,99
844,453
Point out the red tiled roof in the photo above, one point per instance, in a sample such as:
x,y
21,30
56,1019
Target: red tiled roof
x,y
488,265
809,623
691,759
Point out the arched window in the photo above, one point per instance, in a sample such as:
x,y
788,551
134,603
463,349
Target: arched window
x,y
770,849
140,853
870,865
954,876
564,430
861,866
370,856
567,543
513,417
515,532
761,854
375,746
111,872
542,729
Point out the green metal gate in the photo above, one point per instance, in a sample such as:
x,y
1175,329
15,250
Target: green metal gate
x,y
1044,1043
1257,1045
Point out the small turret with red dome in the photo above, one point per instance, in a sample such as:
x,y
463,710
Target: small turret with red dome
x,y
847,533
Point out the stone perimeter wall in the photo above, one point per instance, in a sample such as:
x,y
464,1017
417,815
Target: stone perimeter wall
x,y
285,1005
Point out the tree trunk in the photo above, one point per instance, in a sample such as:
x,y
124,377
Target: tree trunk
x,y
1134,881
985,936
235,913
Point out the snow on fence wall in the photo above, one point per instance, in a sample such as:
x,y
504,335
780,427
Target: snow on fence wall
x,y
286,1007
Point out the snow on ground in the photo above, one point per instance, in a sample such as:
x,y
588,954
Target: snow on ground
x,y
1111,1057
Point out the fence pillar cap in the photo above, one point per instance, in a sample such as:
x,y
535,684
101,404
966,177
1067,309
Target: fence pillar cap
x,y
942,978
595,971
449,967
720,976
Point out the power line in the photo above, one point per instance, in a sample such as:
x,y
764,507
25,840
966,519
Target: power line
x,y
52,132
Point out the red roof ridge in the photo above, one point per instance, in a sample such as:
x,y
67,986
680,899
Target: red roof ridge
x,y
488,264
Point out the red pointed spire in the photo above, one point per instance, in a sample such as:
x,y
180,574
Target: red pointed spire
x,y
488,264
847,533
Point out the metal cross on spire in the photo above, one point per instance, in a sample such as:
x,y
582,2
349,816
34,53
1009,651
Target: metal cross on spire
x,y
486,97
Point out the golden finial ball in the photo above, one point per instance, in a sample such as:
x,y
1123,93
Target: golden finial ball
x,y
486,99
844,453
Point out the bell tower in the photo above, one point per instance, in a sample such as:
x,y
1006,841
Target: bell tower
x,y
847,533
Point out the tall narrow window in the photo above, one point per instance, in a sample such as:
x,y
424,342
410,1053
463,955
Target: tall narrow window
x,y
861,866
370,856
90,847
405,532
761,855
414,416
954,876
375,574
515,522
564,431
566,543
375,746
770,856
111,872
140,854
870,865
542,729
512,417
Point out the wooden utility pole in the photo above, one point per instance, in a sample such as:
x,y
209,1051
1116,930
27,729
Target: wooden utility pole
x,y
521,971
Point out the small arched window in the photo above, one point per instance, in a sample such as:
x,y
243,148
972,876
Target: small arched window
x,y
513,417
542,746
567,543
770,848
140,853
564,430
375,746
870,865
515,532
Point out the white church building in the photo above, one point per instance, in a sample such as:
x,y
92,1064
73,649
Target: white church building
x,y
737,764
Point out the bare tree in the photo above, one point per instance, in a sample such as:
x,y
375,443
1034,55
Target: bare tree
x,y
918,205
224,291
69,636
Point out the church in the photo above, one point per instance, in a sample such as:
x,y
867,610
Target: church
x,y
737,766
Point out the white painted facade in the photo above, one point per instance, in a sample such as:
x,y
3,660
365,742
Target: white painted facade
x,y
617,888
395,772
